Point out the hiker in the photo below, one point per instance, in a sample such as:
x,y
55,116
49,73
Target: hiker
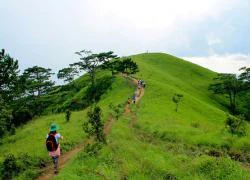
x,y
143,84
53,145
134,98
129,101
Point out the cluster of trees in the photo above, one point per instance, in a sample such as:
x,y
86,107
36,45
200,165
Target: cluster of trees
x,y
17,91
234,87
21,94
237,89
92,62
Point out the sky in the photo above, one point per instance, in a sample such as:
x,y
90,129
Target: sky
x,y
212,33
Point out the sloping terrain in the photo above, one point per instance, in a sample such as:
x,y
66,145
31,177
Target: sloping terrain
x,y
163,144
28,144
150,140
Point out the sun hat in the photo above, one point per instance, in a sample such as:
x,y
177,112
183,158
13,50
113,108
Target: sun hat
x,y
53,127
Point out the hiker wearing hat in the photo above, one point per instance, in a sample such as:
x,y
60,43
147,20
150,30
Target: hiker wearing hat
x,y
53,145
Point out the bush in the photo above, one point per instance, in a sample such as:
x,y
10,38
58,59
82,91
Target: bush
x,y
236,125
9,167
67,115
93,149
219,168
116,110
23,166
3,127
21,115
12,129
94,126
5,120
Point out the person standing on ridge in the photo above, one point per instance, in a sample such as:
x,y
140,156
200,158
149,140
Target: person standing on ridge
x,y
53,145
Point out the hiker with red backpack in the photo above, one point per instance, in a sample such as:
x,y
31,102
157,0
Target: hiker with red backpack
x,y
53,145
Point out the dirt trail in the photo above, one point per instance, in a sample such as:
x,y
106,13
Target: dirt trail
x,y
48,172
139,93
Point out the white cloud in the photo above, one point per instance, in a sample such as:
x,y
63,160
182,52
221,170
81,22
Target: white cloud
x,y
213,40
227,63
51,31
147,17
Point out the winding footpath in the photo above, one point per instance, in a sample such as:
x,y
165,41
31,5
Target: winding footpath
x,y
48,172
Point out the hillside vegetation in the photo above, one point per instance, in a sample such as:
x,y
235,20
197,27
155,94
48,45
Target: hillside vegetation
x,y
28,144
164,144
160,143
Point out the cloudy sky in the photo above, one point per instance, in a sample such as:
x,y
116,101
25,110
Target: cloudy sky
x,y
212,33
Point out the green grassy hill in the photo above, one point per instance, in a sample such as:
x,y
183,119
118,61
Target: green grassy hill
x,y
163,144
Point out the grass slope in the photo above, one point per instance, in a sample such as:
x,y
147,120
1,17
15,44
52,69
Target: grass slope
x,y
30,138
189,144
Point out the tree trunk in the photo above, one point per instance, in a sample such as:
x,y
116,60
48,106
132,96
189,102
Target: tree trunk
x,y
176,107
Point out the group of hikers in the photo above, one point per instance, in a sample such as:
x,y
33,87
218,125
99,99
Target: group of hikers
x,y
53,137
140,84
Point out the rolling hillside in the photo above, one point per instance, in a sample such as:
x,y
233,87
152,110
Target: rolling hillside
x,y
160,143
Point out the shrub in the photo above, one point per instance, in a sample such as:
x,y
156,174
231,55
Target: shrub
x,y
9,167
219,168
94,126
195,124
12,129
236,125
116,110
67,115
93,149
177,99
21,116
5,119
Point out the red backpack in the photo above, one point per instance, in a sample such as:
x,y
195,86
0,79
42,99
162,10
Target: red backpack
x,y
51,143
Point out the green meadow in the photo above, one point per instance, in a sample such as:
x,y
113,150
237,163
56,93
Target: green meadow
x,y
163,144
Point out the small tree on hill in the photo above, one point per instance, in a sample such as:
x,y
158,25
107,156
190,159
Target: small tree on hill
x,y
127,66
67,115
236,125
67,74
90,62
38,80
94,126
230,85
8,76
245,77
112,66
177,99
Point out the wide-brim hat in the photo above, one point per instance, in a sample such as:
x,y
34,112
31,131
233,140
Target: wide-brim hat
x,y
53,127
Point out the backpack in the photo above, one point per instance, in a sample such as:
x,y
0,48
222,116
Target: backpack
x,y
51,143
